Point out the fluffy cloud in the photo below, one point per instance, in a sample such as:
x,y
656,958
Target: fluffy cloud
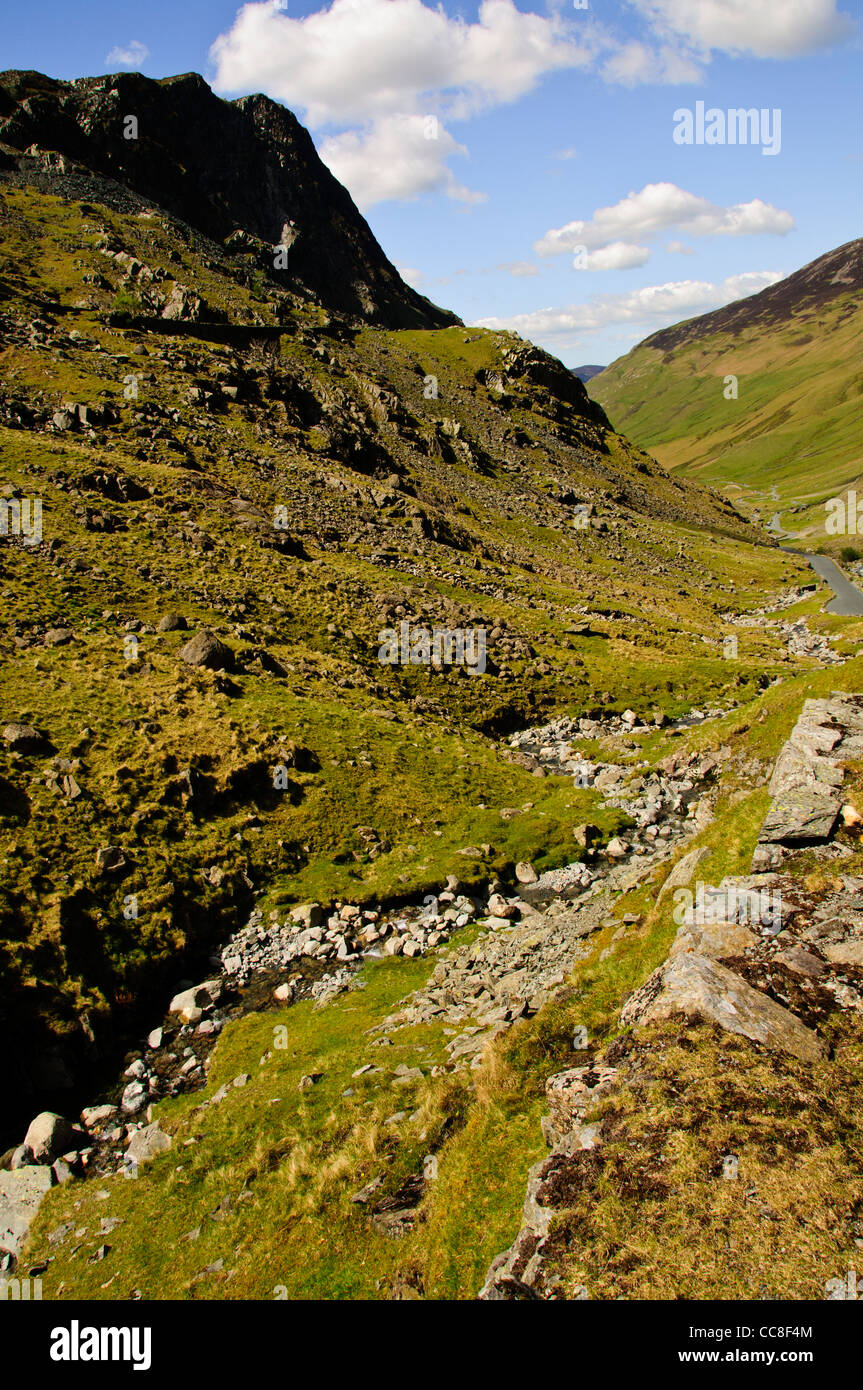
x,y
647,309
765,28
618,255
363,59
519,268
132,56
654,209
634,63
395,158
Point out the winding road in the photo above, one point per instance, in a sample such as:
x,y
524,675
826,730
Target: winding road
x,y
848,602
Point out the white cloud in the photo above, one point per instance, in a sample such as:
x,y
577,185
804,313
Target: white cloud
x,y
648,309
519,268
765,28
618,255
634,63
392,158
132,56
679,248
412,275
361,59
655,208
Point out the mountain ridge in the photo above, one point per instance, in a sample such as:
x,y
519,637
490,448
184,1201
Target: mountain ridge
x,y
246,165
759,398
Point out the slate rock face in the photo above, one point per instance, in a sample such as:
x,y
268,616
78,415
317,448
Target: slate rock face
x,y
701,988
21,1193
800,817
220,166
806,784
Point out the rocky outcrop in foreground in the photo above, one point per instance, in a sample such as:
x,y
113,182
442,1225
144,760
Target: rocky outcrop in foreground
x,y
806,785
763,957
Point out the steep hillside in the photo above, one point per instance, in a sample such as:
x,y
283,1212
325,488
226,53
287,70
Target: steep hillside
x,y
225,168
220,495
786,435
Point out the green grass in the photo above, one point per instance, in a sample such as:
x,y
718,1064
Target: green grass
x,y
792,428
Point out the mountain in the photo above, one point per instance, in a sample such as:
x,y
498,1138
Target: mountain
x,y
226,497
586,373
785,435
221,167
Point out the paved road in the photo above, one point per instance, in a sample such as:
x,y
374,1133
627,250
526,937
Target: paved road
x,y
848,602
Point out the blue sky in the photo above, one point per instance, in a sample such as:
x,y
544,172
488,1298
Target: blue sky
x,y
517,161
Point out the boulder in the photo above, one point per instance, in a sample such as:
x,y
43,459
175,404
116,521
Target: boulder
x,y
205,649
146,1143
95,1115
51,1135
109,859
309,914
134,1098
713,940
172,622
23,738
845,953
20,1196
683,871
803,962
585,835
190,1003
702,988
526,873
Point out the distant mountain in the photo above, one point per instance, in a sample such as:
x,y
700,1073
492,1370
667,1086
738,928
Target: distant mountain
x,y
761,397
586,373
220,166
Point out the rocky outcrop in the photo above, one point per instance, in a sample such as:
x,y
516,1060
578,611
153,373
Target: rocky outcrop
x,y
519,1273
218,165
808,774
701,988
21,1193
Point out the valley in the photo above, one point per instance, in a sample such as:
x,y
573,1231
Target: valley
x,y
301,919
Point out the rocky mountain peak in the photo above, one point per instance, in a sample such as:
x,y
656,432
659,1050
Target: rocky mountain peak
x,y
220,166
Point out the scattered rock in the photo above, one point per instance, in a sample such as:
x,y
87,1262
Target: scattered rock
x,y
205,649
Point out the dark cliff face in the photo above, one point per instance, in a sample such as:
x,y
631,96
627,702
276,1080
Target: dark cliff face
x,y
219,166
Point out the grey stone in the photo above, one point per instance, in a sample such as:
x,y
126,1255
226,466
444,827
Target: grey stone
x,y
23,738
205,649
800,817
172,622
702,988
146,1143
20,1196
50,1135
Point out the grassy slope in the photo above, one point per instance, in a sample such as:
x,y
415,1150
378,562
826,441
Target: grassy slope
x,y
651,1231
134,725
429,781
791,439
